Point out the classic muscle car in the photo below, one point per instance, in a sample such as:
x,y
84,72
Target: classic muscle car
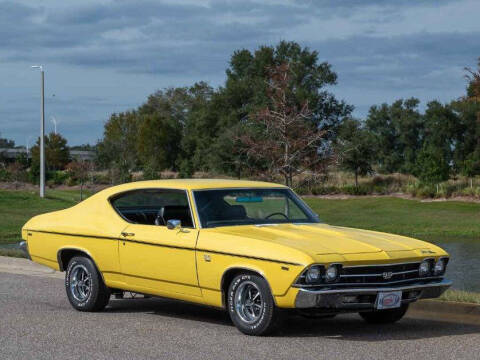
x,y
252,248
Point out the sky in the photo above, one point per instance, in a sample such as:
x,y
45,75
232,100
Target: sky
x,y
105,56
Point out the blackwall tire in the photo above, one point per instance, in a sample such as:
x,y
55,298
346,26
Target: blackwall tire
x,y
251,306
84,285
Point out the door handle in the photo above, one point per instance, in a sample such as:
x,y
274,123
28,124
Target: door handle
x,y
125,234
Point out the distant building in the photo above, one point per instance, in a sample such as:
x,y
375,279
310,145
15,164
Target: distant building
x,y
79,155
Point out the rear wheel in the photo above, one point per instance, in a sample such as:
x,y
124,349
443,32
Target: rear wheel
x,y
384,316
85,288
251,306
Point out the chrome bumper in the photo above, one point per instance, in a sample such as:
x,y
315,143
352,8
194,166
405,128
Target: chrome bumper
x,y
364,298
24,247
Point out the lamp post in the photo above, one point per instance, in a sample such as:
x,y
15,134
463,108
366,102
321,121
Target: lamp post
x,y
42,132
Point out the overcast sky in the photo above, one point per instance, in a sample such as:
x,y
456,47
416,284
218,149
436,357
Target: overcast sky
x,y
104,56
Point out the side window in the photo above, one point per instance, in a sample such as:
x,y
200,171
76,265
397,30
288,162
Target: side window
x,y
153,207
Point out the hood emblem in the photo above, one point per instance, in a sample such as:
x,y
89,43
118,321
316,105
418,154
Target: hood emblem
x,y
428,252
387,275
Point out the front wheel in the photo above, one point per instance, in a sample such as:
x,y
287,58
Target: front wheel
x,y
251,306
85,288
384,316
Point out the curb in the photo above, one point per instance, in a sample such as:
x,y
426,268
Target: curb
x,y
449,311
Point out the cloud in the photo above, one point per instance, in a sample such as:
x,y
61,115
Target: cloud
x,y
380,49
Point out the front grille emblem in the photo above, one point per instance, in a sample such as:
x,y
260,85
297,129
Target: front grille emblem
x,y
387,275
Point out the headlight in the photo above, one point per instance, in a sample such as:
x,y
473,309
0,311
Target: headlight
x,y
440,266
313,275
331,274
424,268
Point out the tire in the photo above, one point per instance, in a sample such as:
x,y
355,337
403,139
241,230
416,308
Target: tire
x,y
257,317
85,288
384,316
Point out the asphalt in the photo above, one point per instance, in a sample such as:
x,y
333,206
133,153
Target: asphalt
x,y
37,322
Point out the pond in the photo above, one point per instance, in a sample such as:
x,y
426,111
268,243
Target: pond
x,y
463,268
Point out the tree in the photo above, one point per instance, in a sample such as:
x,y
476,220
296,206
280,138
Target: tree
x,y
283,136
245,93
79,171
473,77
471,165
157,143
57,154
6,143
355,149
442,131
16,172
117,149
467,152
432,166
180,111
398,134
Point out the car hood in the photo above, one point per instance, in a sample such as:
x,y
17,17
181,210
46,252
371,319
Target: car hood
x,y
322,239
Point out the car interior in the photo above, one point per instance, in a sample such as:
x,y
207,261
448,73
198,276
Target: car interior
x,y
153,208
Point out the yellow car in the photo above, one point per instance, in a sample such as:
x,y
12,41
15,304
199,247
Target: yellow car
x,y
253,248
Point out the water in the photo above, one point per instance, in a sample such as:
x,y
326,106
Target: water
x,y
463,268
464,265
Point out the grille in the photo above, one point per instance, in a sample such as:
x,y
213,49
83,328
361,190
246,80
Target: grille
x,y
373,276
378,274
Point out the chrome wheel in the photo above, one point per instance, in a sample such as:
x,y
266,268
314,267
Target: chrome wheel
x,y
248,302
80,282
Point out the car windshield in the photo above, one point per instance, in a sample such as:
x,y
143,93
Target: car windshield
x,y
251,206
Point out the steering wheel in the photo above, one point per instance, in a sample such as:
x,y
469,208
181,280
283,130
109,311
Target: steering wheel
x,y
276,213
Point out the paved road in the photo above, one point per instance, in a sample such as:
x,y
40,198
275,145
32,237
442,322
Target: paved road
x,y
37,322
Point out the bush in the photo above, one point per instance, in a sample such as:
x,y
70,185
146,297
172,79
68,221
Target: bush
x,y
357,190
4,176
325,190
57,177
426,191
100,178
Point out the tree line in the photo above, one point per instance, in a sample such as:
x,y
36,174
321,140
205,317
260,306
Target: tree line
x,y
276,118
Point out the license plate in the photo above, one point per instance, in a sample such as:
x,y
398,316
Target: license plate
x,y
388,300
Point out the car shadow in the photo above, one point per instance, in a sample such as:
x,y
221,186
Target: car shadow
x,y
170,308
343,327
351,327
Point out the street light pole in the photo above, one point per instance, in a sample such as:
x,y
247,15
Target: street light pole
x,y
42,132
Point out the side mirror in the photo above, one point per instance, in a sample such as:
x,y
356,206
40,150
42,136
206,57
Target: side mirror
x,y
174,224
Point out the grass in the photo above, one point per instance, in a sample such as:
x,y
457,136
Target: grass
x,y
460,296
16,207
12,253
426,220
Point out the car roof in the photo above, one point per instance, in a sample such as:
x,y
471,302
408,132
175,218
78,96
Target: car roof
x,y
190,184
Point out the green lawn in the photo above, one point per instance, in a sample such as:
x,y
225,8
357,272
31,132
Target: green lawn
x,y
426,220
16,207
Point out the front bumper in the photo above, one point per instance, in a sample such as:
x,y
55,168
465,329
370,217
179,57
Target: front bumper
x,y
365,298
24,247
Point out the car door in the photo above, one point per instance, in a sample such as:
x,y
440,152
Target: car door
x,y
153,258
